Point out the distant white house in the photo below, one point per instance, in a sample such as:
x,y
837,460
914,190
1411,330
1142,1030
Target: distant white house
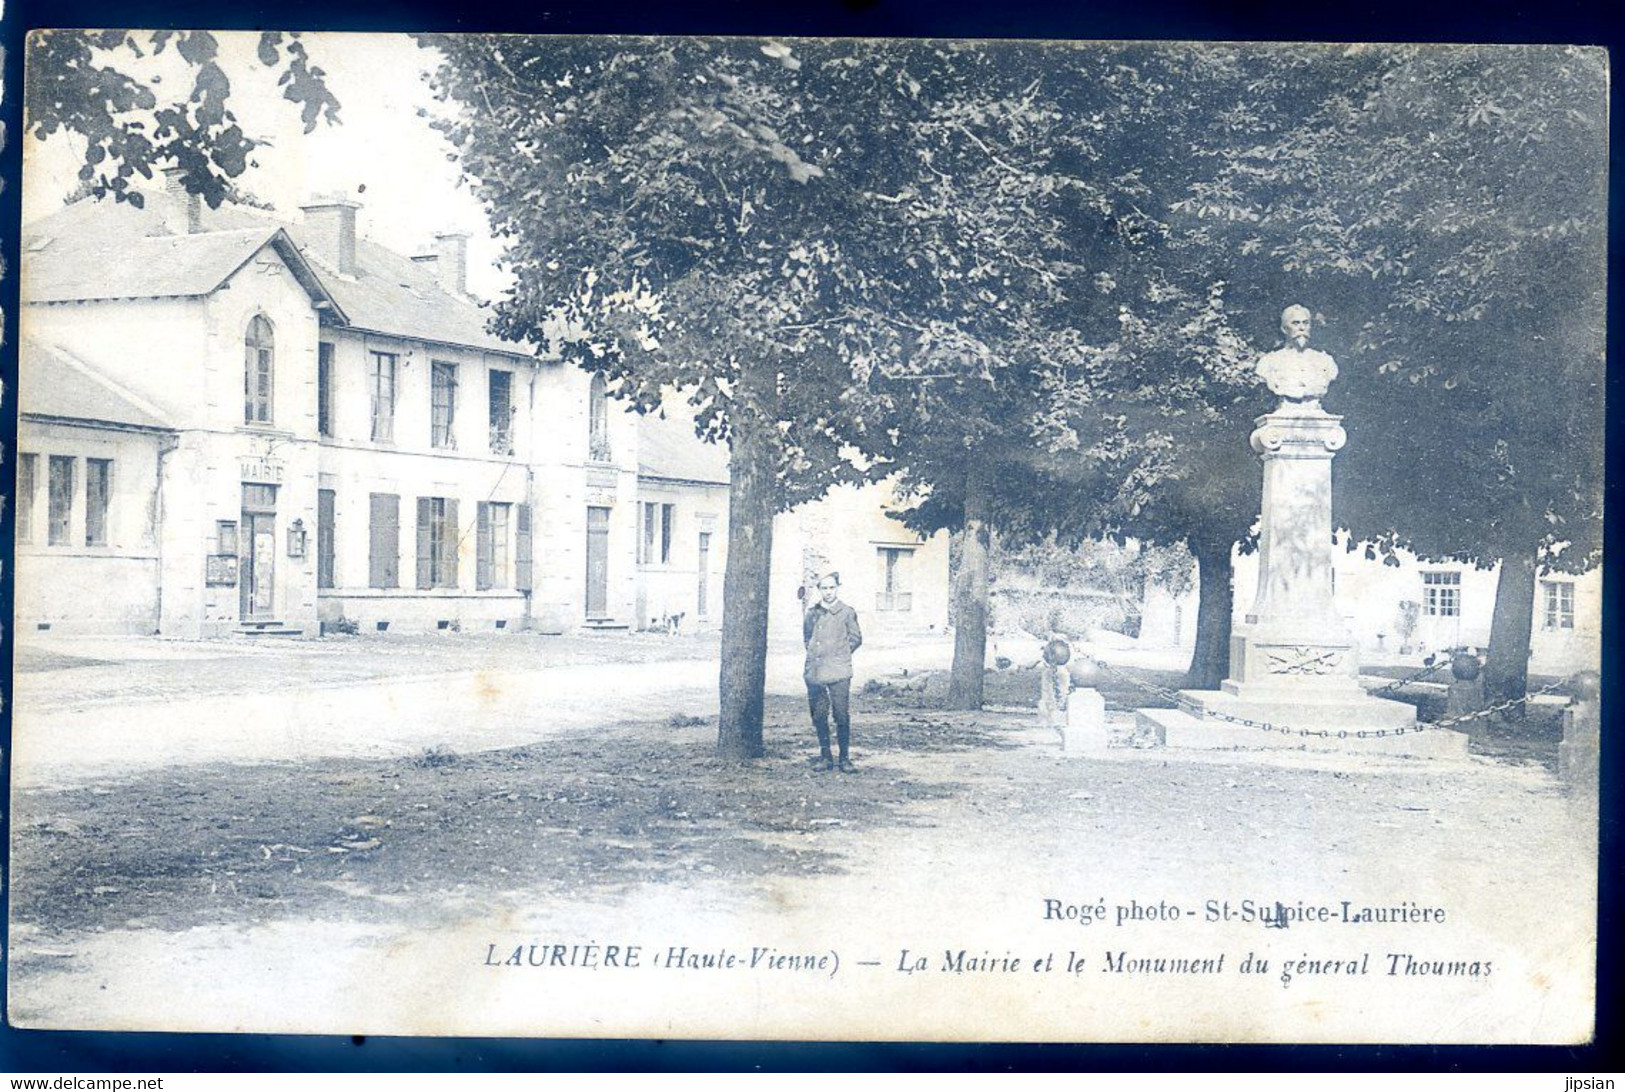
x,y
897,579
682,551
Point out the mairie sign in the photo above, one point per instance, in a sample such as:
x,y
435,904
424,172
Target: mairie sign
x,y
261,470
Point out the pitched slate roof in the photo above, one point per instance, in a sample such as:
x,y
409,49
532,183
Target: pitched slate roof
x,y
668,449
392,294
99,250
51,382
96,250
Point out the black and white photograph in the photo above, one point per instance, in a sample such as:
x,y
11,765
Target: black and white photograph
x,y
775,538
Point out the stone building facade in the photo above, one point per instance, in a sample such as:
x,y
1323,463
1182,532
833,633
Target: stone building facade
x,y
236,425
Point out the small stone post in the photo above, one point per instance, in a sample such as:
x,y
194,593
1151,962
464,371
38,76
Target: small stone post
x,y
1466,693
1579,755
1085,732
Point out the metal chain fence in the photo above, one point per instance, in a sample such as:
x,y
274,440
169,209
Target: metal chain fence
x,y
1399,684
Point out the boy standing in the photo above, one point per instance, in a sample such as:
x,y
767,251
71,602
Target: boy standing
x,y
830,630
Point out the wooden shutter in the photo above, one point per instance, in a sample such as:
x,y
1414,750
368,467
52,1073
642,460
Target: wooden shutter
x,y
324,538
384,545
425,542
452,532
521,575
483,548
324,388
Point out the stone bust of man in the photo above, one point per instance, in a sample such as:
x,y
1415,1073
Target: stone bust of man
x,y
1299,374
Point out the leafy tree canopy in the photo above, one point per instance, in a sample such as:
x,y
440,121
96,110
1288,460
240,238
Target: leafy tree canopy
x,y
108,88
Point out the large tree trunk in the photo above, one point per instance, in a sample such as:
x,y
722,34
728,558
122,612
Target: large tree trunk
x,y
752,503
970,600
1214,573
1506,668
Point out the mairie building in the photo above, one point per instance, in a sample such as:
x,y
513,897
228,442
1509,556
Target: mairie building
x,y
231,424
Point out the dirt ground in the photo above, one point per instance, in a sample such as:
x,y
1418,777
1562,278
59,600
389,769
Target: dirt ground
x,y
595,814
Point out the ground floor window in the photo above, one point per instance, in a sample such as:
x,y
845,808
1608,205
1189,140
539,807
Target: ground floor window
x,y
1441,594
384,541
659,521
1559,604
893,582
98,496
437,542
27,472
703,601
491,568
60,532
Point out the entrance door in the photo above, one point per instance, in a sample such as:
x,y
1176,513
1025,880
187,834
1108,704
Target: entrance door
x,y
597,562
702,605
256,566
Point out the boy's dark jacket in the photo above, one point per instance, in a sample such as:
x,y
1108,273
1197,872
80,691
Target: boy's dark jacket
x,y
831,635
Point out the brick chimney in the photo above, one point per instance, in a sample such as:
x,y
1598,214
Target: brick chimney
x,y
181,213
451,261
331,220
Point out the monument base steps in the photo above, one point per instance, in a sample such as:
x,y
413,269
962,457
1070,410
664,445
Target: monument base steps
x,y
1332,709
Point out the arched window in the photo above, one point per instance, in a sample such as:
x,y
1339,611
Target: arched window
x,y
259,356
598,421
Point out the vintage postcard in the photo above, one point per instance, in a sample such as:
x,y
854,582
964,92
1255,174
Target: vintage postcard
x,y
808,539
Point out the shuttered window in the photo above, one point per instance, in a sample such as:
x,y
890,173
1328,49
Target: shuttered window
x,y
61,512
501,412
893,593
27,473
702,606
384,542
442,403
98,495
324,388
646,544
668,516
437,542
491,560
381,380
1559,612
